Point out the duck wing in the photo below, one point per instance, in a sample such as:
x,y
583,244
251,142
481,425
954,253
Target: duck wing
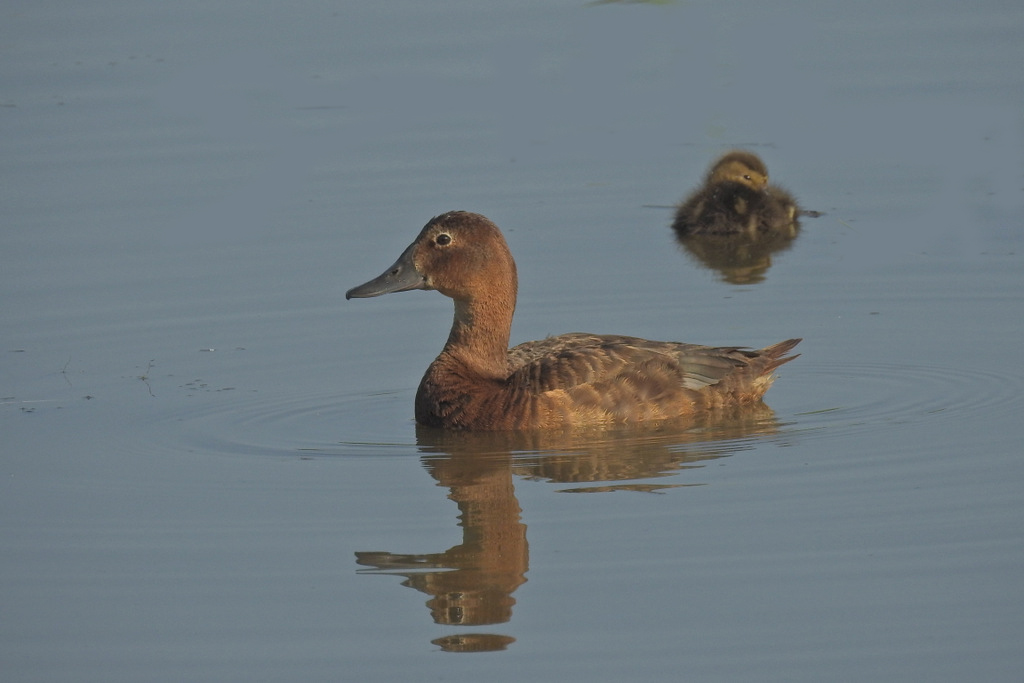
x,y
651,368
589,379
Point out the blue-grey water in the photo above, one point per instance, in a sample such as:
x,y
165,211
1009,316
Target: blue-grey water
x,y
209,469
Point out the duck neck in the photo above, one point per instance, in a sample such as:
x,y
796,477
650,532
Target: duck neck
x,y
480,333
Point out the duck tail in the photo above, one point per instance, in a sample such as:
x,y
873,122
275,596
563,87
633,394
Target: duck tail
x,y
775,355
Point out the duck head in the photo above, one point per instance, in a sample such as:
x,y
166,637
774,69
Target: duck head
x,y
460,254
740,167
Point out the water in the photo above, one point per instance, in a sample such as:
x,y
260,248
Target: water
x,y
210,469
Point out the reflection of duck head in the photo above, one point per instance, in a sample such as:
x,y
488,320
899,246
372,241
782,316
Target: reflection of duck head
x,y
573,380
736,199
471,583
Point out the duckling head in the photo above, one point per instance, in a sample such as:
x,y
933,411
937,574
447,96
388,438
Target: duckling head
x,y
741,167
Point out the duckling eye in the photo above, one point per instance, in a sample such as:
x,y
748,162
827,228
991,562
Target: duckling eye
x,y
443,239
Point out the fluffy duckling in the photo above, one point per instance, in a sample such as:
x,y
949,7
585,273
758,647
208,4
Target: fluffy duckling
x,y
736,199
573,380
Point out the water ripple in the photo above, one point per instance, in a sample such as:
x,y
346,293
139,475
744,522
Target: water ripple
x,y
831,401
854,397
314,425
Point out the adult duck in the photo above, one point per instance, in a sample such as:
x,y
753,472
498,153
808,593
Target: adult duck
x,y
736,199
478,383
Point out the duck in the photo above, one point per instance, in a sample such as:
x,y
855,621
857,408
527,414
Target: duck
x,y
478,383
736,199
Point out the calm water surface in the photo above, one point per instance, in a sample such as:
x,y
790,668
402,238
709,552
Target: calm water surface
x,y
209,465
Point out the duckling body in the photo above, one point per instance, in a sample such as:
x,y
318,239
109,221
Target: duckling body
x,y
736,199
478,383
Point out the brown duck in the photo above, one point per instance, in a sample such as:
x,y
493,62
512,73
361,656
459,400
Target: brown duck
x,y
572,380
736,199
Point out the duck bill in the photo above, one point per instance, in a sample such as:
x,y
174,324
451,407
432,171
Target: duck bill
x,y
400,277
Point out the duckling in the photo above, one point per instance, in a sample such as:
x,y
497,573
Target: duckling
x,y
572,380
737,199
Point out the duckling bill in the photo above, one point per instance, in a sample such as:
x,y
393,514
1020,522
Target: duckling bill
x,y
736,199
572,380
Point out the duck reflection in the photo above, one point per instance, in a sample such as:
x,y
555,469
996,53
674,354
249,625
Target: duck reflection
x,y
628,460
472,583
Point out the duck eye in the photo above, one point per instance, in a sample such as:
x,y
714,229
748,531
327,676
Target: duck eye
x,y
443,239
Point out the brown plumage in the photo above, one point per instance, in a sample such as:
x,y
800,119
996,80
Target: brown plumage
x,y
736,199
478,383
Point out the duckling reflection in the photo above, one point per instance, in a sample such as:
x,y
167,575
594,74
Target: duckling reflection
x,y
738,259
472,583
737,220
